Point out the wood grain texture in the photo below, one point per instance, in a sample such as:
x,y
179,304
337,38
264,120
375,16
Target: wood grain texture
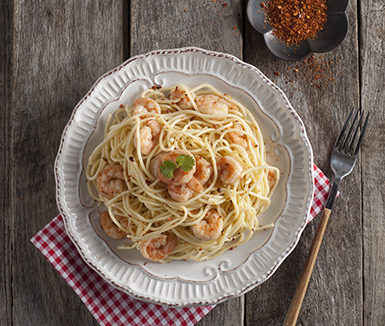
x,y
6,78
65,48
177,23
373,158
334,295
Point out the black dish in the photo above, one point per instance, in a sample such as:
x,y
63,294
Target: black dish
x,y
329,38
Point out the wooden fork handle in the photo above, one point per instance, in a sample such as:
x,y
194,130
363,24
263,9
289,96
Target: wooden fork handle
x,y
299,294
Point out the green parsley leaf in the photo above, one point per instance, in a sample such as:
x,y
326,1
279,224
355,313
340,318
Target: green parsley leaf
x,y
167,169
185,162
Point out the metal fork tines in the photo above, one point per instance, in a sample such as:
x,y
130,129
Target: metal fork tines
x,y
346,150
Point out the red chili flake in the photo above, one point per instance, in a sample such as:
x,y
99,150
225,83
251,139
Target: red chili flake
x,y
276,73
121,106
145,264
105,160
224,4
316,71
132,159
169,219
148,182
296,20
235,27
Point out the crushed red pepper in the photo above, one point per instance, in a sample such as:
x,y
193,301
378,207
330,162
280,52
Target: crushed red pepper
x,y
316,70
293,21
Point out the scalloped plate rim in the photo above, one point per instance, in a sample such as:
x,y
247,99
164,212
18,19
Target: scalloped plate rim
x,y
290,109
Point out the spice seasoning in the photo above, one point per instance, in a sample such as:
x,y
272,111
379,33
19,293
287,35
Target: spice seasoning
x,y
316,71
293,21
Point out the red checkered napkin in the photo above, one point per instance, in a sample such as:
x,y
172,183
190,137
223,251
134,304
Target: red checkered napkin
x,y
321,192
108,305
111,306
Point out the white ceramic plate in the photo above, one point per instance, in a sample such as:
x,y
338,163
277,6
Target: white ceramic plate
x,y
187,283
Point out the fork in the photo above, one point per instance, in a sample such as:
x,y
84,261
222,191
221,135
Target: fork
x,y
342,161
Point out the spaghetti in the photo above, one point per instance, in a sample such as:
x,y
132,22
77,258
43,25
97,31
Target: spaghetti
x,y
214,205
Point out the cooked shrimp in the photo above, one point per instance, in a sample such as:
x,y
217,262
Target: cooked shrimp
x,y
110,181
139,109
154,126
146,104
212,104
203,169
110,228
158,248
209,228
180,193
185,191
155,164
179,176
195,185
229,170
148,136
237,137
184,102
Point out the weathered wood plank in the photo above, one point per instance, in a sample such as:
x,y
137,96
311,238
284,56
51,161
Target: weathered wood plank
x,y
6,78
173,24
228,313
206,24
373,178
58,49
322,99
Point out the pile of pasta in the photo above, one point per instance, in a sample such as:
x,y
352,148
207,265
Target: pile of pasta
x,y
155,215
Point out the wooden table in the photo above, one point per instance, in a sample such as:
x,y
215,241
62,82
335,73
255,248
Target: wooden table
x,y
51,54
